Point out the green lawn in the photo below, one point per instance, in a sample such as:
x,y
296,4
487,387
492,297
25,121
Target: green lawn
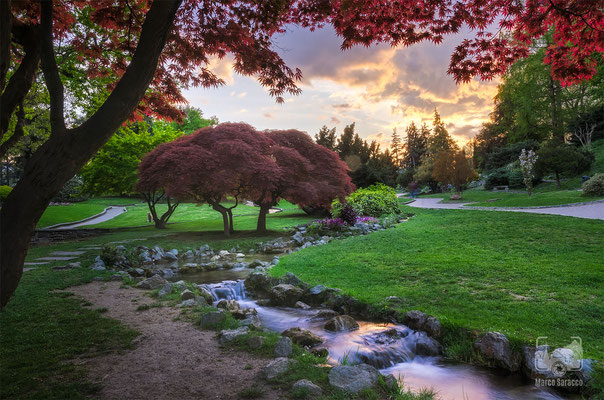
x,y
524,275
546,194
77,211
186,212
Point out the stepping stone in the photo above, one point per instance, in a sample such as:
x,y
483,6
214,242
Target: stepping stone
x,y
55,258
28,269
67,253
61,267
91,248
34,263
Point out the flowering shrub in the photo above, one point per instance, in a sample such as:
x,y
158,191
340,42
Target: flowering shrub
x,y
527,165
348,214
367,220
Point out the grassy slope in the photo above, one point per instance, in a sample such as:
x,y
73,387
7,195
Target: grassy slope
x,y
470,268
598,148
77,211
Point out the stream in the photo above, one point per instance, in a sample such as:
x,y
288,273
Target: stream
x,y
387,347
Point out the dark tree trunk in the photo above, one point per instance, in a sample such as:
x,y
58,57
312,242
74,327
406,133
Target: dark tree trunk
x,y
65,152
226,221
230,214
261,225
558,180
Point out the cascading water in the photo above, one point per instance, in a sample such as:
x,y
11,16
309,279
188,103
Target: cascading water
x,y
388,347
226,290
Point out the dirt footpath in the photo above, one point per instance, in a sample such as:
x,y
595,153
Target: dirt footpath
x,y
171,359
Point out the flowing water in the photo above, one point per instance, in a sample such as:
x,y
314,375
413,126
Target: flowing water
x,y
387,347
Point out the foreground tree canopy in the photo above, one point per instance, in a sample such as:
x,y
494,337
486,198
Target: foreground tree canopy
x,y
136,55
233,161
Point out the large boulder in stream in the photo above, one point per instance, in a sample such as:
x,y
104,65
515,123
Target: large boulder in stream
x,y
415,320
341,323
229,305
259,283
496,347
353,378
426,346
285,295
302,337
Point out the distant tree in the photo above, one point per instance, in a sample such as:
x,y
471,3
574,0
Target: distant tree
x,y
307,174
559,158
396,147
326,137
113,170
415,145
452,167
440,140
194,120
346,143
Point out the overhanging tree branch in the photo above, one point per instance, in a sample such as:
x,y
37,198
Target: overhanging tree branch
x,y
51,71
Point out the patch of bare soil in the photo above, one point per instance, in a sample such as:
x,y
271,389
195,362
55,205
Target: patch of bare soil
x,y
171,359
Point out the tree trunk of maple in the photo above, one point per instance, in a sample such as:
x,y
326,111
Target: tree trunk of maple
x,y
261,225
66,151
226,221
230,214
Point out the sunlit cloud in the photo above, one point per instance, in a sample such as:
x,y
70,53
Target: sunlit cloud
x,y
379,88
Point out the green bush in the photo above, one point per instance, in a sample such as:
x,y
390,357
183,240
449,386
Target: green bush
x,y
497,177
594,186
72,191
372,201
516,180
4,192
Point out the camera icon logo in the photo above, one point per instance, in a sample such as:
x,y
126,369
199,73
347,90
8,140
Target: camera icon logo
x,y
561,360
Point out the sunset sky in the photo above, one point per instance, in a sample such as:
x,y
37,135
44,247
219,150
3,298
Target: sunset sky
x,y
379,88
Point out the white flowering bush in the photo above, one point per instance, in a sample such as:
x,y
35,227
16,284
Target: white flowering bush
x,y
527,159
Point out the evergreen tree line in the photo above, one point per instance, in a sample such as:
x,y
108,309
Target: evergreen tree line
x,y
368,164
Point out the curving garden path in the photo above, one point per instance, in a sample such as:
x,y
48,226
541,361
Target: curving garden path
x,y
591,210
109,213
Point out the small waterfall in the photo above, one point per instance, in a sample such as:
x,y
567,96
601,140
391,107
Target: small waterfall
x,y
227,290
383,349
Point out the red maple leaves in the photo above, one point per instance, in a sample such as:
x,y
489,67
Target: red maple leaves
x,y
104,33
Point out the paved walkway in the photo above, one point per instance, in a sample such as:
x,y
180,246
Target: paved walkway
x,y
590,211
109,213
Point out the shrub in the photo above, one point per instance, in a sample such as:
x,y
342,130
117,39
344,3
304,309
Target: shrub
x,y
594,186
348,214
405,177
72,191
516,179
4,192
497,177
373,201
